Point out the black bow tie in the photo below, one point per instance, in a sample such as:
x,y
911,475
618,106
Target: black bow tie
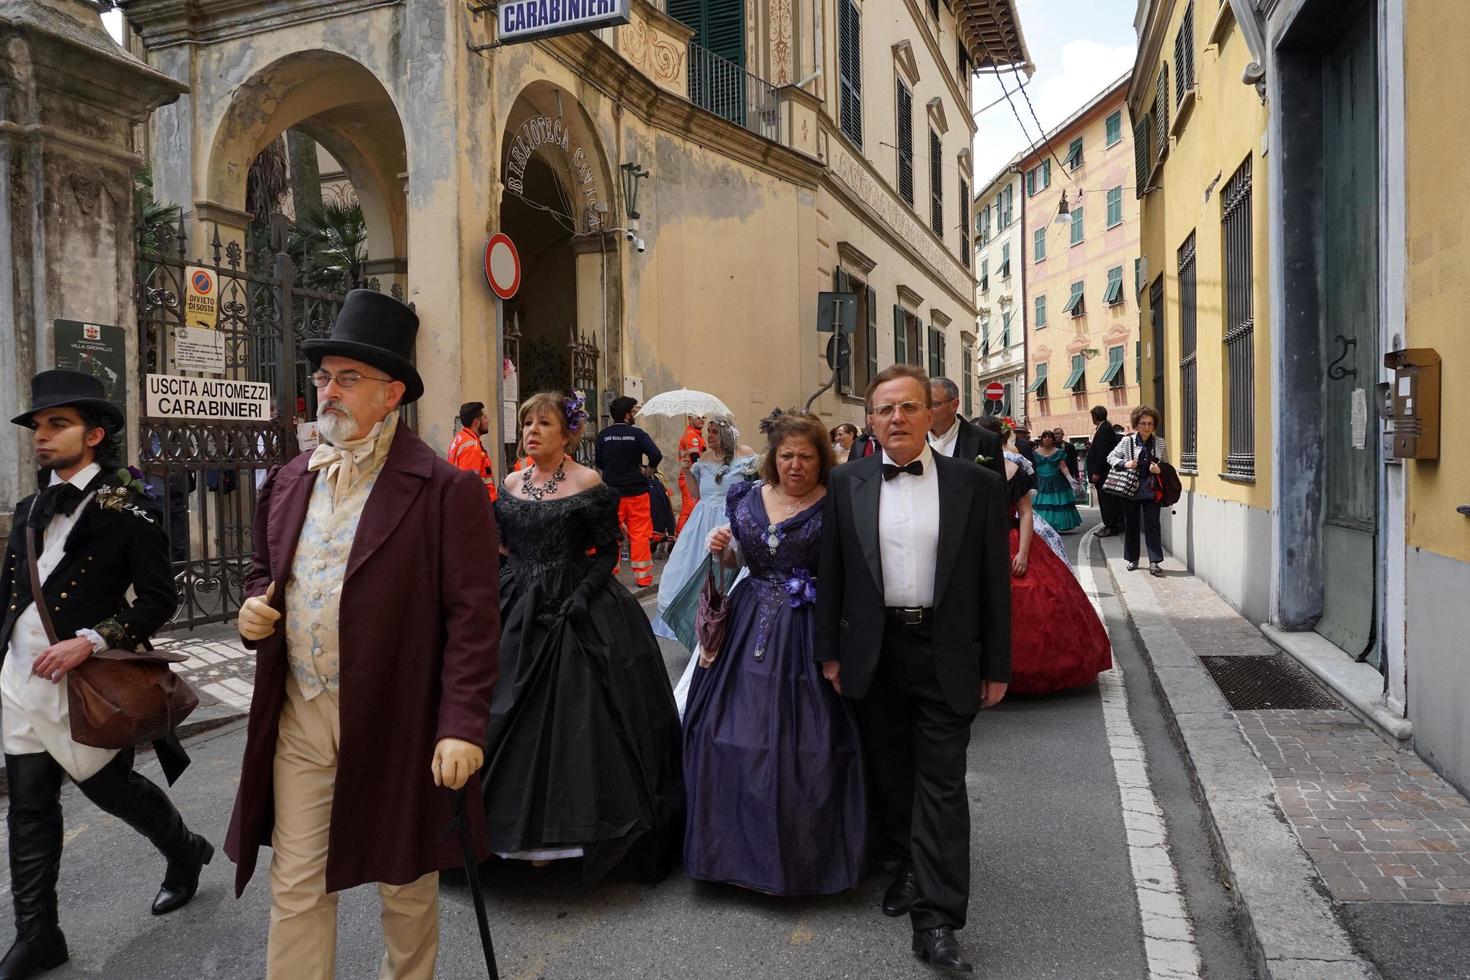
x,y
60,498
891,470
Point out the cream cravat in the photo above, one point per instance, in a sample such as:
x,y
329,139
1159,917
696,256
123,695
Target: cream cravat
x,y
340,462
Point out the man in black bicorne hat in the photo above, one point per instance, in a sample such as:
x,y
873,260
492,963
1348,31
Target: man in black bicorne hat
x,y
96,543
377,635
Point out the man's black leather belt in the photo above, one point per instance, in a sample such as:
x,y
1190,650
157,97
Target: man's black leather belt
x,y
910,615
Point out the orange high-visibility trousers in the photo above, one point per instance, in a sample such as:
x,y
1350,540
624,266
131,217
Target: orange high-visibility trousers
x,y
686,503
636,518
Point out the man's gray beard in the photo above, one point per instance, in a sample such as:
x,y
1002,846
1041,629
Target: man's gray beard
x,y
336,427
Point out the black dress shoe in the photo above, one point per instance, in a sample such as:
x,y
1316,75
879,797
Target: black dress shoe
x,y
940,949
181,880
27,957
902,893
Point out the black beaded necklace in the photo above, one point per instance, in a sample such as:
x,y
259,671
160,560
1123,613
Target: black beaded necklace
x,y
548,489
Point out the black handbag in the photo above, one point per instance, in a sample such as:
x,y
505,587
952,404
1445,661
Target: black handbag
x,y
1123,482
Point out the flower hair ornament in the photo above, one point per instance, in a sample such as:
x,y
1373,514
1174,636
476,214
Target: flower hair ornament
x,y
574,410
769,422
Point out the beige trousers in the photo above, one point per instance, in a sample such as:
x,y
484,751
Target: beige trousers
x,y
303,931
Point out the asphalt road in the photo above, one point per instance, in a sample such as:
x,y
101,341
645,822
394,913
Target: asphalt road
x,y
1053,894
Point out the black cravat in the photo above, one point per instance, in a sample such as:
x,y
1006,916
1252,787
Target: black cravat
x,y
60,498
891,470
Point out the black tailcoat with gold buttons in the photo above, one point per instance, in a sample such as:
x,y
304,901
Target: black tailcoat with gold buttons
x,y
113,546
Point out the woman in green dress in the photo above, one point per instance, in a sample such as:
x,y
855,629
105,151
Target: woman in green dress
x,y
1055,498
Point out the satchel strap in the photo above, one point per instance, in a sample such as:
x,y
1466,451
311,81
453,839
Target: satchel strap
x,y
32,546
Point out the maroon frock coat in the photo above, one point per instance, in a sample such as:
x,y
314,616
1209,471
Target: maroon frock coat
x,y
420,642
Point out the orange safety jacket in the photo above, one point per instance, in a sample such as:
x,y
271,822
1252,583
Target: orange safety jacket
x,y
468,453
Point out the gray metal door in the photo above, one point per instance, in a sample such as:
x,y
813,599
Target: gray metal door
x,y
1350,337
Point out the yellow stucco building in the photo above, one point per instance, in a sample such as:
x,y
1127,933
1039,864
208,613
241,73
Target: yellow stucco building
x,y
1080,267
680,188
1203,291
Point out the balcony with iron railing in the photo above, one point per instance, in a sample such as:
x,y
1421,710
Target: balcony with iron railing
x,y
731,92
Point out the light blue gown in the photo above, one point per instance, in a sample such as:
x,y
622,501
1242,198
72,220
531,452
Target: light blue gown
x,y
691,553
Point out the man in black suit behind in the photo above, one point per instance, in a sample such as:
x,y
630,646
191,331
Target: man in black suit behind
x,y
1104,440
914,625
950,435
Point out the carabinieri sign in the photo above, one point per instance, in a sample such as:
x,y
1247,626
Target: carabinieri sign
x,y
526,20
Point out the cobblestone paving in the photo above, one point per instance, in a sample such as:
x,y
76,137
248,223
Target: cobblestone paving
x,y
1377,822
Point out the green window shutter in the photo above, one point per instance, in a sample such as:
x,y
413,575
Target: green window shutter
x,y
1031,182
1074,154
872,332
916,356
1143,159
985,275
719,25
985,337
934,369
1114,293
1115,128
1038,244
900,336
1005,330
850,68
1038,382
1114,374
1077,302
1046,173
1137,276
1040,318
1077,225
1184,55
1077,379
905,142
1005,261
1115,207
965,222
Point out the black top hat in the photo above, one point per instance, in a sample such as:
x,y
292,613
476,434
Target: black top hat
x,y
376,330
58,388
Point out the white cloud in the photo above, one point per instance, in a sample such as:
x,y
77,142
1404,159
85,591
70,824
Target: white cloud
x,y
1084,69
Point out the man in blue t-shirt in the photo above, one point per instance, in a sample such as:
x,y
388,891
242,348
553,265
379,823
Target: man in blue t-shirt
x,y
621,450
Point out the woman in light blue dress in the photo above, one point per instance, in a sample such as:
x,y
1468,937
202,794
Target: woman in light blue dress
x,y
724,463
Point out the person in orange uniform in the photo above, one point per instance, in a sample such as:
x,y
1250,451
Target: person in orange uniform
x,y
466,451
621,450
691,447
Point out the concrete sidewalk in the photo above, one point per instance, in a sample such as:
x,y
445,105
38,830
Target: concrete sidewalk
x,y
1348,855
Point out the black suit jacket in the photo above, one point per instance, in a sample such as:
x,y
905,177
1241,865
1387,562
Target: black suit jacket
x,y
1104,441
109,550
972,582
974,441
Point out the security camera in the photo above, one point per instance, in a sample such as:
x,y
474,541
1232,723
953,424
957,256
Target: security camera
x,y
630,233
640,245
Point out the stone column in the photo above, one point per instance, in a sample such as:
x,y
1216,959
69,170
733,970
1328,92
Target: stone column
x,y
70,98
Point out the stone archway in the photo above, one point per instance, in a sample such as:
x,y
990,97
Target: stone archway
x,y
558,199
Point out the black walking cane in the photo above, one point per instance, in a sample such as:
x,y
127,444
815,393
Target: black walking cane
x,y
472,871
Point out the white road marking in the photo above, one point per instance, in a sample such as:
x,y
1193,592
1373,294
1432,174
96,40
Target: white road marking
x,y
1168,933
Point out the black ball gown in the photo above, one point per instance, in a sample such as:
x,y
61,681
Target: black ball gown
x,y
583,752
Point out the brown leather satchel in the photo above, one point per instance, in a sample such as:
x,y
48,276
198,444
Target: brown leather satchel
x,y
118,698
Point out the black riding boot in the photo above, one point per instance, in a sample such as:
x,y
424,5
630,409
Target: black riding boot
x,y
34,822
147,809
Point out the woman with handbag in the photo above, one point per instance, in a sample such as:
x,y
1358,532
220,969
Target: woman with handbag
x,y
582,756
1140,457
81,544
772,760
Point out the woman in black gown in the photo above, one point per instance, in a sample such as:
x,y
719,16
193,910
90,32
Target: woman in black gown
x,y
583,753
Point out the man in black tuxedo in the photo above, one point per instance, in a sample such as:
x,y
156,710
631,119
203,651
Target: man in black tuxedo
x,y
950,435
1104,441
914,625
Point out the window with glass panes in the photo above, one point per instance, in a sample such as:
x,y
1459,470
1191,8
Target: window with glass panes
x,y
1005,330
1074,154
1115,207
1005,261
908,338
985,275
1077,302
983,224
936,352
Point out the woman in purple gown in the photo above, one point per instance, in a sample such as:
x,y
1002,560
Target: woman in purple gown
x,y
772,764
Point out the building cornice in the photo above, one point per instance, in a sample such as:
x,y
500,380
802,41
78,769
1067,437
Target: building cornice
x,y
853,258
946,70
1083,117
166,23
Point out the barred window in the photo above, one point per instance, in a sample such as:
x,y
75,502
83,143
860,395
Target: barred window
x,y
1188,357
1235,204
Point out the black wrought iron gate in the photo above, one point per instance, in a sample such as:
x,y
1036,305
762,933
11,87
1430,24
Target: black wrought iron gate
x,y
205,475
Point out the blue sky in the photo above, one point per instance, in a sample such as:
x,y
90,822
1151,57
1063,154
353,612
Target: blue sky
x,y
1079,47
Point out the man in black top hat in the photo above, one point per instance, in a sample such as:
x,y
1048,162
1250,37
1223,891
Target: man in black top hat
x,y
96,542
377,636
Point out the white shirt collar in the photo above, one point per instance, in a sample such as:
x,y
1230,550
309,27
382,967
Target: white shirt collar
x,y
926,456
947,442
80,478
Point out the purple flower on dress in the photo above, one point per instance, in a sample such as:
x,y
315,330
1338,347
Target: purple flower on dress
x,y
802,588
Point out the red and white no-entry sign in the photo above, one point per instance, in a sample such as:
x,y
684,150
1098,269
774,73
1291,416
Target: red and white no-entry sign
x,y
995,391
502,266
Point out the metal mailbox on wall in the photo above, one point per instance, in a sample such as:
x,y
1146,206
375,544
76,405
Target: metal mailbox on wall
x,y
1411,404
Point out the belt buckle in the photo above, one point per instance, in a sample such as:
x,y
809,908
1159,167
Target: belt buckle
x,y
909,615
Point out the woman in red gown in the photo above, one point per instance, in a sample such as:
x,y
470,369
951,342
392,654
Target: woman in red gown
x,y
1057,641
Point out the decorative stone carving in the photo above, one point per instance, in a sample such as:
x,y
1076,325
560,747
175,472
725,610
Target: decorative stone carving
x,y
782,70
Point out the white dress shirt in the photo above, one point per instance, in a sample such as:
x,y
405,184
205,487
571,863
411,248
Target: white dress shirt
x,y
34,710
944,445
908,534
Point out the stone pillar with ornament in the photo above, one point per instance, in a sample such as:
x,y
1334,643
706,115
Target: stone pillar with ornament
x,y
71,100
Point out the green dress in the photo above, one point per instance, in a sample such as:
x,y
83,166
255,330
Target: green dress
x,y
1054,500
